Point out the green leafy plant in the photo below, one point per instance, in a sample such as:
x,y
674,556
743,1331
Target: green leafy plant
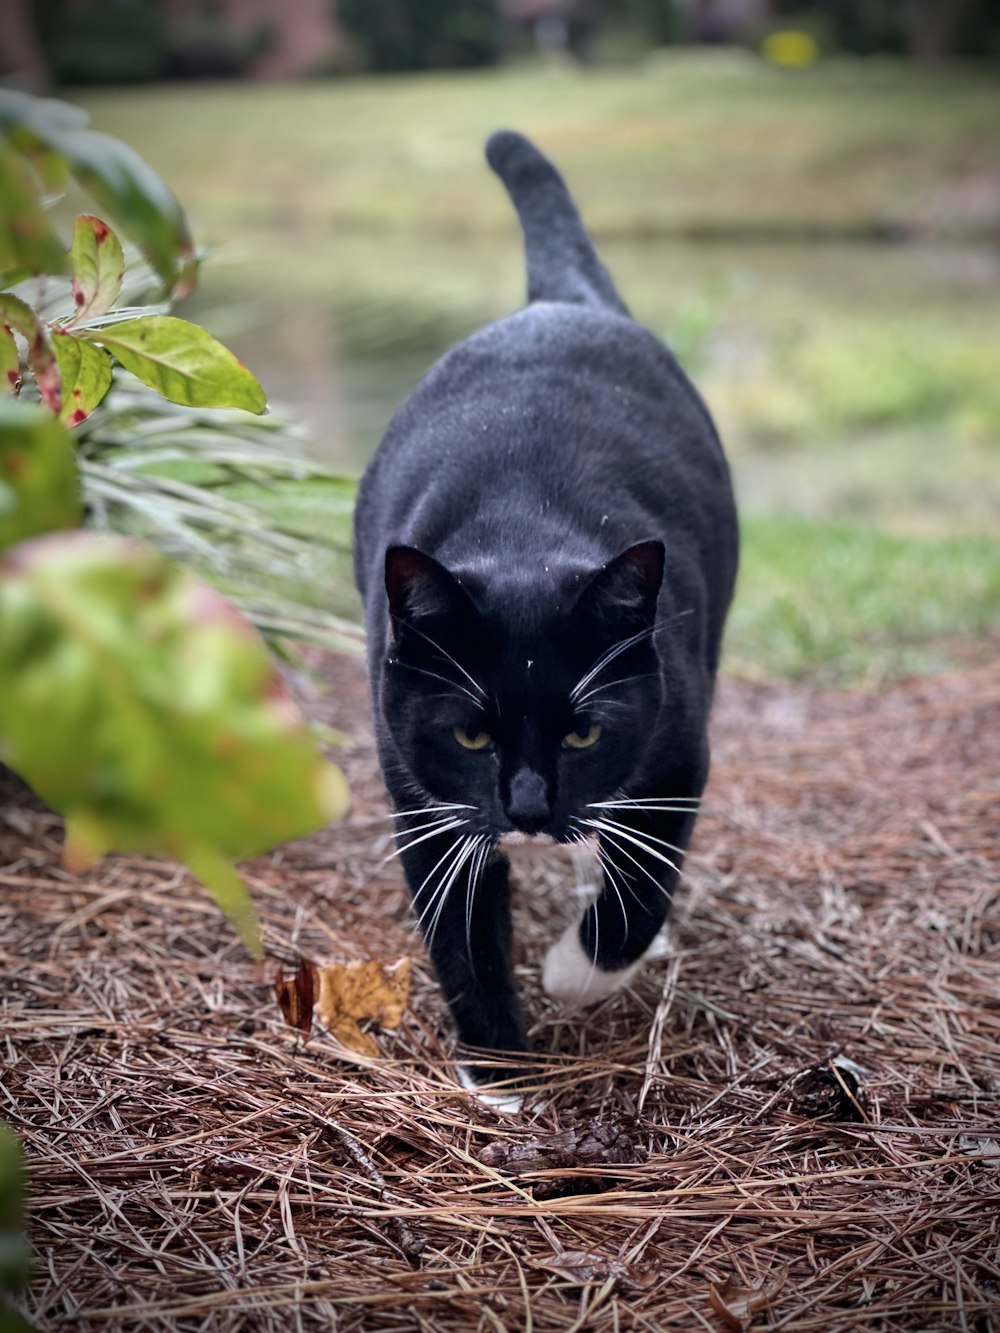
x,y
135,698
14,1251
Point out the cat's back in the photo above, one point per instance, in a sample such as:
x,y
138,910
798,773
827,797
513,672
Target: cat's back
x,y
559,407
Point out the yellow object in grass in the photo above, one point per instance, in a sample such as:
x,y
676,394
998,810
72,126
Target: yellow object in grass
x,y
790,48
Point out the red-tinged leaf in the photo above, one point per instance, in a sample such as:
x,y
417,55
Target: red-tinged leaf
x,y
85,372
98,266
10,363
17,315
136,197
45,368
27,237
139,703
181,361
39,486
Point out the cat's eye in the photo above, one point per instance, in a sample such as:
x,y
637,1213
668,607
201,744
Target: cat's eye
x,y
583,740
479,740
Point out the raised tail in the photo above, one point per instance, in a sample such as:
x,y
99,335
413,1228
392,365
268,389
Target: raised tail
x,y
562,263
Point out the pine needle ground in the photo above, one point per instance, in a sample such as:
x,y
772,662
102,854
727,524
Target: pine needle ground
x,y
791,1122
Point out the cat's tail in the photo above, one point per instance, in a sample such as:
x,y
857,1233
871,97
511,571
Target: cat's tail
x,y
562,262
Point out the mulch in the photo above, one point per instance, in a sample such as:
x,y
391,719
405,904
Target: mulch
x,y
792,1121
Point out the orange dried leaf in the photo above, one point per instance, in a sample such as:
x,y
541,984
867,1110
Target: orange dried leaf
x,y
349,994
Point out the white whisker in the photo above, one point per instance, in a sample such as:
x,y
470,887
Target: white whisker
x,y
432,809
649,838
467,847
623,851
457,665
650,807
613,684
448,851
478,864
435,829
606,659
452,684
616,833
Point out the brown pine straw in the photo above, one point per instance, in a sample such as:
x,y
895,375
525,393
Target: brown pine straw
x,y
791,1122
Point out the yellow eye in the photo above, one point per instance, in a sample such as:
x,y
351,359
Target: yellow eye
x,y
583,740
480,741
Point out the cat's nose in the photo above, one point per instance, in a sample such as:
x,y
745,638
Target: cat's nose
x,y
528,807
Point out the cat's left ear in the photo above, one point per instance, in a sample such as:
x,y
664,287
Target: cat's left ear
x,y
420,588
628,586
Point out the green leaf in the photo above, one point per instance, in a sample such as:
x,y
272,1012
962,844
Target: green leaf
x,y
137,700
27,238
22,113
85,374
181,361
14,1252
10,362
17,314
138,199
39,486
228,891
98,266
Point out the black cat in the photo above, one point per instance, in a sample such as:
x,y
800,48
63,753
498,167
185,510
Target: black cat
x,y
546,546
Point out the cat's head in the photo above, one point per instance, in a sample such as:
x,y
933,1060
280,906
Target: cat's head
x,y
525,706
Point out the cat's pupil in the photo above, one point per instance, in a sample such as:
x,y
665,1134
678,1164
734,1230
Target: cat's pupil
x,y
583,737
474,740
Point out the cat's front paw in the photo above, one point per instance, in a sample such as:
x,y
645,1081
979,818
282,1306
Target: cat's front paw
x,y
570,976
494,1095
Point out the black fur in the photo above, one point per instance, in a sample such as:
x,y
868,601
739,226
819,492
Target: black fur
x,y
553,488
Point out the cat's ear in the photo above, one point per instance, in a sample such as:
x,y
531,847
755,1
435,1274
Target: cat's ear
x,y
627,587
419,587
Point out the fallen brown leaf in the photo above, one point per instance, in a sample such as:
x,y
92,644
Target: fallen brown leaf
x,y
349,994
586,1266
736,1305
297,996
344,995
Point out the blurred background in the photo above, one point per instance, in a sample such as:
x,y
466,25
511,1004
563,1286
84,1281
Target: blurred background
x,y
802,199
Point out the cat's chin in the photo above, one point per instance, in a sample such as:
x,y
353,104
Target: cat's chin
x,y
515,838
570,976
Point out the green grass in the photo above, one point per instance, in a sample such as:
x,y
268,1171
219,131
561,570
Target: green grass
x,y
744,212
851,605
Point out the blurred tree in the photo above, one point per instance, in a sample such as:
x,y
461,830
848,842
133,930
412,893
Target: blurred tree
x,y
923,29
21,55
114,41
655,21
396,35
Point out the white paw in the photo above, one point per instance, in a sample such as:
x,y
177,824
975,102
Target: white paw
x,y
571,977
509,1103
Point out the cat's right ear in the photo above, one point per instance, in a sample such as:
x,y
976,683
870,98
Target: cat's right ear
x,y
419,588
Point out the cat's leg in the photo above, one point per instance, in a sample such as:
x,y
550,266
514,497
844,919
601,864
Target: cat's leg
x,y
461,896
642,851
